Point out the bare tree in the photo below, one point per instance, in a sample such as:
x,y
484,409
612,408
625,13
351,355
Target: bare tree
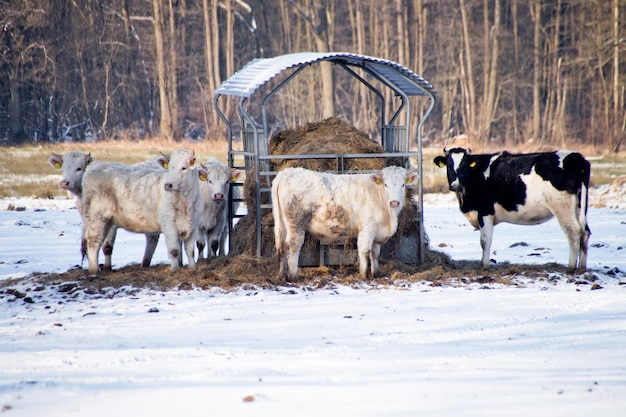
x,y
492,43
166,124
537,69
317,16
468,75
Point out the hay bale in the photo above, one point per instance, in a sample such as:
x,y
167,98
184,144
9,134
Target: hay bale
x,y
330,136
243,236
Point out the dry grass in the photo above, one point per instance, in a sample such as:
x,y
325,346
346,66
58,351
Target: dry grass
x,y
25,172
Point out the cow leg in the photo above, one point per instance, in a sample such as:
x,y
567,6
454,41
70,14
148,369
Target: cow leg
x,y
486,238
200,243
374,254
574,234
584,245
190,246
364,244
295,240
223,237
282,263
214,239
279,244
172,242
180,252
94,231
152,240
565,209
107,247
217,239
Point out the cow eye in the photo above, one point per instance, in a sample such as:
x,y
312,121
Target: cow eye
x,y
79,169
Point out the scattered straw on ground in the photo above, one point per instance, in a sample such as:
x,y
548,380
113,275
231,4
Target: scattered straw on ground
x,y
249,272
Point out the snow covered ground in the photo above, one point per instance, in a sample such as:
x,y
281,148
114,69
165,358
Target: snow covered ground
x,y
545,349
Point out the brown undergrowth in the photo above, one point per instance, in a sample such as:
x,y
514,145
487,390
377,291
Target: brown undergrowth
x,y
247,272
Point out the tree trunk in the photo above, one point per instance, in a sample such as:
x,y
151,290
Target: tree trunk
x,y
165,124
536,130
209,53
489,99
172,74
470,97
317,17
516,41
17,122
616,132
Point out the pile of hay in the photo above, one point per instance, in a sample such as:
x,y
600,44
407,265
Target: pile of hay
x,y
330,136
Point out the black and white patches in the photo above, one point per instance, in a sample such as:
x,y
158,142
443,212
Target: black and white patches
x,y
522,189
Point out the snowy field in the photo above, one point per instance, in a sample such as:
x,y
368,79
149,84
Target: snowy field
x,y
545,348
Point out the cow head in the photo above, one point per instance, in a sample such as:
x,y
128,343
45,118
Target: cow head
x,y
218,176
181,170
394,181
73,165
460,166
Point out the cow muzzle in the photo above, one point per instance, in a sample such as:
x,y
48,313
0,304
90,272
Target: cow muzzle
x,y
456,186
169,186
218,197
394,203
65,185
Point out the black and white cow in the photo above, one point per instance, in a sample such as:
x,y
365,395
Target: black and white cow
x,y
522,189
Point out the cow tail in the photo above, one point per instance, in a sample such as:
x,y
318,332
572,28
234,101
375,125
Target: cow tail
x,y
584,194
584,197
279,225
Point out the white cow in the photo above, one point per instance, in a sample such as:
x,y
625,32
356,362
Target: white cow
x,y
73,165
144,200
337,207
213,225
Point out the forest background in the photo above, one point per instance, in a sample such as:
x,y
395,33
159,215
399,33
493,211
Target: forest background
x,y
516,73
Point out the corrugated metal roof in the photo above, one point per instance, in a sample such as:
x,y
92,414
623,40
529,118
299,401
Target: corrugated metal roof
x,y
260,70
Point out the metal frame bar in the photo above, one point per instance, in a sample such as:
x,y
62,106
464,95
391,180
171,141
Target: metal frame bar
x,y
257,158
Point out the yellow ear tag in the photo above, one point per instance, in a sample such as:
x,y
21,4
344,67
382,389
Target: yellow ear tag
x,y
441,165
57,165
379,181
234,178
203,177
165,165
473,164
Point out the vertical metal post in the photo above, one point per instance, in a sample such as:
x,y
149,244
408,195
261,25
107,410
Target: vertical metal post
x,y
421,177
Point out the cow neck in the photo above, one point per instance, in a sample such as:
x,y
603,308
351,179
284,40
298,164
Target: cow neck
x,y
391,218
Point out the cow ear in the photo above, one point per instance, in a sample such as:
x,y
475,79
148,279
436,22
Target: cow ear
x,y
164,161
56,161
377,178
192,162
202,173
234,174
88,159
412,177
440,161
